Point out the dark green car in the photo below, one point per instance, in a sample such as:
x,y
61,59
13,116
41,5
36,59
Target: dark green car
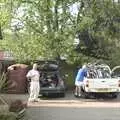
x,y
51,82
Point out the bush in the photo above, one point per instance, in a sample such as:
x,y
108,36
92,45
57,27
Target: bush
x,y
7,116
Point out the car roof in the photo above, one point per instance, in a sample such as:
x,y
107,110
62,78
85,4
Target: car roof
x,y
48,67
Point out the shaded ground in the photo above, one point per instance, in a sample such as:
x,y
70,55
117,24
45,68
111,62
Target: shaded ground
x,y
63,113
69,97
69,108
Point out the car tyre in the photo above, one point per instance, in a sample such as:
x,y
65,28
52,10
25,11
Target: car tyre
x,y
114,96
61,94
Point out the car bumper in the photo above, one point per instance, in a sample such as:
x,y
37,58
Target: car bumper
x,y
51,90
102,90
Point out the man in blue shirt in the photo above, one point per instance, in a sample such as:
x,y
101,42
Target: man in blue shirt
x,y
82,72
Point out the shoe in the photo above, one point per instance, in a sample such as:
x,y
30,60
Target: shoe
x,y
75,94
37,100
30,100
79,95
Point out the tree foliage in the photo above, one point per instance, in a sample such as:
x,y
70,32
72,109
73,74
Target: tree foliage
x,y
99,28
48,28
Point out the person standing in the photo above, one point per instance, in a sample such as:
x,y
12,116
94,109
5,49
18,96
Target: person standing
x,y
82,72
34,76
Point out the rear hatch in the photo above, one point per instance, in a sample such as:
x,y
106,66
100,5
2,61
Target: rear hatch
x,y
50,76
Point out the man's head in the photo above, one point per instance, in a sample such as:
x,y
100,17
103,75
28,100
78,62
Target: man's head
x,y
84,66
35,66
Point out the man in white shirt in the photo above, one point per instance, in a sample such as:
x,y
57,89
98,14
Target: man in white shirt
x,y
34,75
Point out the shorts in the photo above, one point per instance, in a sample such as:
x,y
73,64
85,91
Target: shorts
x,y
78,83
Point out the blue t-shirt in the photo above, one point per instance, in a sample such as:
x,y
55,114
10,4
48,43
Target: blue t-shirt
x,y
81,74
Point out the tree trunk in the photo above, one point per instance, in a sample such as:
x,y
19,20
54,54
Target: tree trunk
x,y
56,27
1,36
48,16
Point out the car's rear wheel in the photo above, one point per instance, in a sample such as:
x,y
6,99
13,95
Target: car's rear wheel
x,y
114,95
61,94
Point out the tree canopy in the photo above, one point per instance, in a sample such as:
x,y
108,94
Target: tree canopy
x,y
48,28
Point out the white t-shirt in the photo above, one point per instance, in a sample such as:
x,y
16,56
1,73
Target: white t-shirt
x,y
34,75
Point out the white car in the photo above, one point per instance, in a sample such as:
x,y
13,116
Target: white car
x,y
102,81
